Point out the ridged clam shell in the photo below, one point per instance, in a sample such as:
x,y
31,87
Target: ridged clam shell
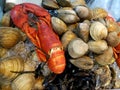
x,y
99,13
75,3
5,21
9,37
83,62
9,64
58,25
98,31
98,46
77,48
50,4
68,15
23,82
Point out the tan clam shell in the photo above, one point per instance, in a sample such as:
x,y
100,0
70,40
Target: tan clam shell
x,y
75,3
64,3
77,48
98,46
113,39
5,21
9,64
68,15
23,82
9,37
50,4
3,52
83,31
38,84
106,57
83,62
98,12
98,31
83,12
58,25
66,38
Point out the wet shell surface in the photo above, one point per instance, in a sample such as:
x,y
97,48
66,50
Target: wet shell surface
x,y
98,46
58,25
66,38
68,15
83,62
77,48
98,31
23,82
106,57
9,37
9,65
99,13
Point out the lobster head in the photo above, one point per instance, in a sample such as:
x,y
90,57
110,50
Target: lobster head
x,y
57,62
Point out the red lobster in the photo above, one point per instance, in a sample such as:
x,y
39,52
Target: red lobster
x,y
36,23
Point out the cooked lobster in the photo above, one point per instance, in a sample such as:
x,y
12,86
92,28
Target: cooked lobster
x,y
35,21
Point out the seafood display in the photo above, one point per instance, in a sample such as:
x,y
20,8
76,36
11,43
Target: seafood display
x,y
58,45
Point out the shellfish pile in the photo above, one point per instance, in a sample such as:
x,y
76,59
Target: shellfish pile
x,y
88,38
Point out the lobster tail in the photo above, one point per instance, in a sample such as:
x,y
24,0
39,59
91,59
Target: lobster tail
x,y
57,62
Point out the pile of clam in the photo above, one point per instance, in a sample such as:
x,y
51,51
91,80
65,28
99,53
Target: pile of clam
x,y
88,38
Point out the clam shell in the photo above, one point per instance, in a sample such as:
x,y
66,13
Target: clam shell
x,y
58,25
77,48
83,62
9,64
68,15
98,46
64,3
83,12
23,82
3,52
113,39
66,38
106,57
9,37
5,21
8,6
39,84
50,4
75,3
83,31
98,31
99,13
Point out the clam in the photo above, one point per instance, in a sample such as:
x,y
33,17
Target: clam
x,y
58,25
6,86
98,46
9,37
83,62
106,57
23,82
64,3
39,84
83,12
111,25
50,4
10,65
68,15
104,75
98,31
75,3
5,21
3,52
113,39
67,37
8,6
83,31
77,48
99,13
